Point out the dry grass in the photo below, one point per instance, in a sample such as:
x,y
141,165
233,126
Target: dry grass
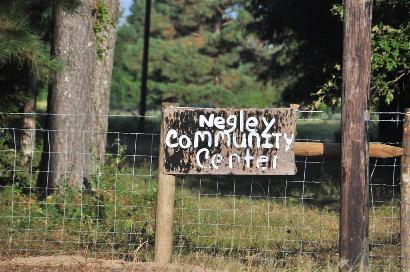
x,y
260,234
77,263
220,232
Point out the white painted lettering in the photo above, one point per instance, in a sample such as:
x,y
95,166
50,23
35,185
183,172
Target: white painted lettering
x,y
257,137
251,124
248,158
216,160
261,162
198,156
172,133
231,159
221,135
231,121
267,143
277,138
268,125
187,143
274,162
234,141
241,120
202,134
219,122
203,120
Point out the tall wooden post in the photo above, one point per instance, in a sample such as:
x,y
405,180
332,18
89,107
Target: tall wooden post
x,y
164,217
144,74
354,213
405,195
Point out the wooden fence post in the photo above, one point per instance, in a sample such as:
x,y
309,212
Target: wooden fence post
x,y
164,217
405,195
354,208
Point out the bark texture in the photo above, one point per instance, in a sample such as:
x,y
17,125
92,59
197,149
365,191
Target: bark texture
x,y
79,97
354,216
405,195
102,86
28,133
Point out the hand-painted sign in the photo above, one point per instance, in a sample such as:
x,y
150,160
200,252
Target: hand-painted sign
x,y
229,141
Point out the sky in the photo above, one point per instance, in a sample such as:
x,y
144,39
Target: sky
x,y
125,5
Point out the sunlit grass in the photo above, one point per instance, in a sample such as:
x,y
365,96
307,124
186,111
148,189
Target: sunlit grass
x,y
271,233
220,232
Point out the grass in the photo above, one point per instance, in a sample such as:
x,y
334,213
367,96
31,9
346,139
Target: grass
x,y
215,230
324,130
265,232
221,223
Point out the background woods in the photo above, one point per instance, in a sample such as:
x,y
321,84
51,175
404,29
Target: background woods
x,y
64,48
257,53
226,52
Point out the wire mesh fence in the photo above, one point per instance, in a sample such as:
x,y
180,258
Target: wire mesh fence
x,y
288,221
232,223
110,215
384,194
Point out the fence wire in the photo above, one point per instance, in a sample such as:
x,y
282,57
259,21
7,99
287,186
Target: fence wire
x,y
226,223
384,193
111,214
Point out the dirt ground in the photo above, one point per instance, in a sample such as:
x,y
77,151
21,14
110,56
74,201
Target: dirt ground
x,y
79,264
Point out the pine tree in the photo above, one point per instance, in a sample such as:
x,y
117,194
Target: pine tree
x,y
25,62
200,53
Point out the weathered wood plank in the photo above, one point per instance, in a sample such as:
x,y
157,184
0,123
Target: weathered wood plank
x,y
212,141
376,150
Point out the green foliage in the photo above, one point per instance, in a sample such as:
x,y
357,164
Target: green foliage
x,y
25,36
10,102
101,25
24,50
13,170
19,43
306,40
114,206
114,214
390,58
200,54
308,35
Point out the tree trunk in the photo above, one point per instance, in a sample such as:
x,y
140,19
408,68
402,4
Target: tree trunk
x,y
102,86
66,157
78,101
28,133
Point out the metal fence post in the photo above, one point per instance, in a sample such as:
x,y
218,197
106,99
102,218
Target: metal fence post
x,y
165,203
405,195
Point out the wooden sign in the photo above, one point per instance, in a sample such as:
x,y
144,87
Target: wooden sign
x,y
212,141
